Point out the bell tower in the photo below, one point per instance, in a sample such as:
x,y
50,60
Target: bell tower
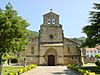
x,y
50,31
51,18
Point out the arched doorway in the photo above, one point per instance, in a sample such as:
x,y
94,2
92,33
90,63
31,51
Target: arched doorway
x,y
51,60
51,57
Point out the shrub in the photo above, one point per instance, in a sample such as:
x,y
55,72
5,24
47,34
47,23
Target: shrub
x,y
33,66
20,71
11,73
77,69
97,63
82,71
25,69
91,73
28,67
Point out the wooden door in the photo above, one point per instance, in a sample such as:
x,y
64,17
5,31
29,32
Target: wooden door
x,y
51,60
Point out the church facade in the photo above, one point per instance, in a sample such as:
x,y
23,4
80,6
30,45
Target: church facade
x,y
51,47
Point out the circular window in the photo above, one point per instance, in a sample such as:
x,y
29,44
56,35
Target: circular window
x,y
51,36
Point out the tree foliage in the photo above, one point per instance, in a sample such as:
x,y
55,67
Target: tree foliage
x,y
13,32
97,55
93,30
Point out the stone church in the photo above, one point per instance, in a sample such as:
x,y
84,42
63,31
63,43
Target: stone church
x,y
51,47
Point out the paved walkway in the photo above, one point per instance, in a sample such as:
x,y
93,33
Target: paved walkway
x,y
50,70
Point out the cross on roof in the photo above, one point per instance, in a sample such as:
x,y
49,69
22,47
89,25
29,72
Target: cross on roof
x,y
50,10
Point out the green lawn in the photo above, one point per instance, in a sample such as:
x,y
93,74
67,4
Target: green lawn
x,y
7,69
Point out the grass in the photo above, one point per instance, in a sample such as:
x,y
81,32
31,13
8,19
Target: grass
x,y
7,69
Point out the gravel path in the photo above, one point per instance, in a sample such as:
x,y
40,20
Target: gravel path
x,y
50,70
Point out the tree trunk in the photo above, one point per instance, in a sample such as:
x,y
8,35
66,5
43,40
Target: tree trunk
x,y
0,64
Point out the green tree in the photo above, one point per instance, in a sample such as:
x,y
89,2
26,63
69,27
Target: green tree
x,y
13,32
97,55
93,30
8,56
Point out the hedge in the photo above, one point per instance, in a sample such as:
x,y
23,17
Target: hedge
x,y
20,71
80,71
97,63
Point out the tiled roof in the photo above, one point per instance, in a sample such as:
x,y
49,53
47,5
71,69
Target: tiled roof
x,y
90,49
93,49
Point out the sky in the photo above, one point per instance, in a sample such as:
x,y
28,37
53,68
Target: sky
x,y
73,13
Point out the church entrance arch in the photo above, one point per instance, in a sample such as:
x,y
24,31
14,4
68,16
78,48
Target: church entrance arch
x,y
51,57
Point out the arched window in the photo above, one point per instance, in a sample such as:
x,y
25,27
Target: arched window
x,y
49,21
32,50
69,50
53,21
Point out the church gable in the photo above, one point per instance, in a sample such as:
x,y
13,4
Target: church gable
x,y
51,19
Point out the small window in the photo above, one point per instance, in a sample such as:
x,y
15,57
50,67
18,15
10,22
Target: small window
x,y
51,36
32,50
53,21
98,51
72,57
69,50
91,56
94,51
49,21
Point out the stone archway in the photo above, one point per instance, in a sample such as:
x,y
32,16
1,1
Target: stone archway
x,y
51,57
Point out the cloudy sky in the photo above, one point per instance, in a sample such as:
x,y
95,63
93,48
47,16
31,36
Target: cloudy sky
x,y
73,13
